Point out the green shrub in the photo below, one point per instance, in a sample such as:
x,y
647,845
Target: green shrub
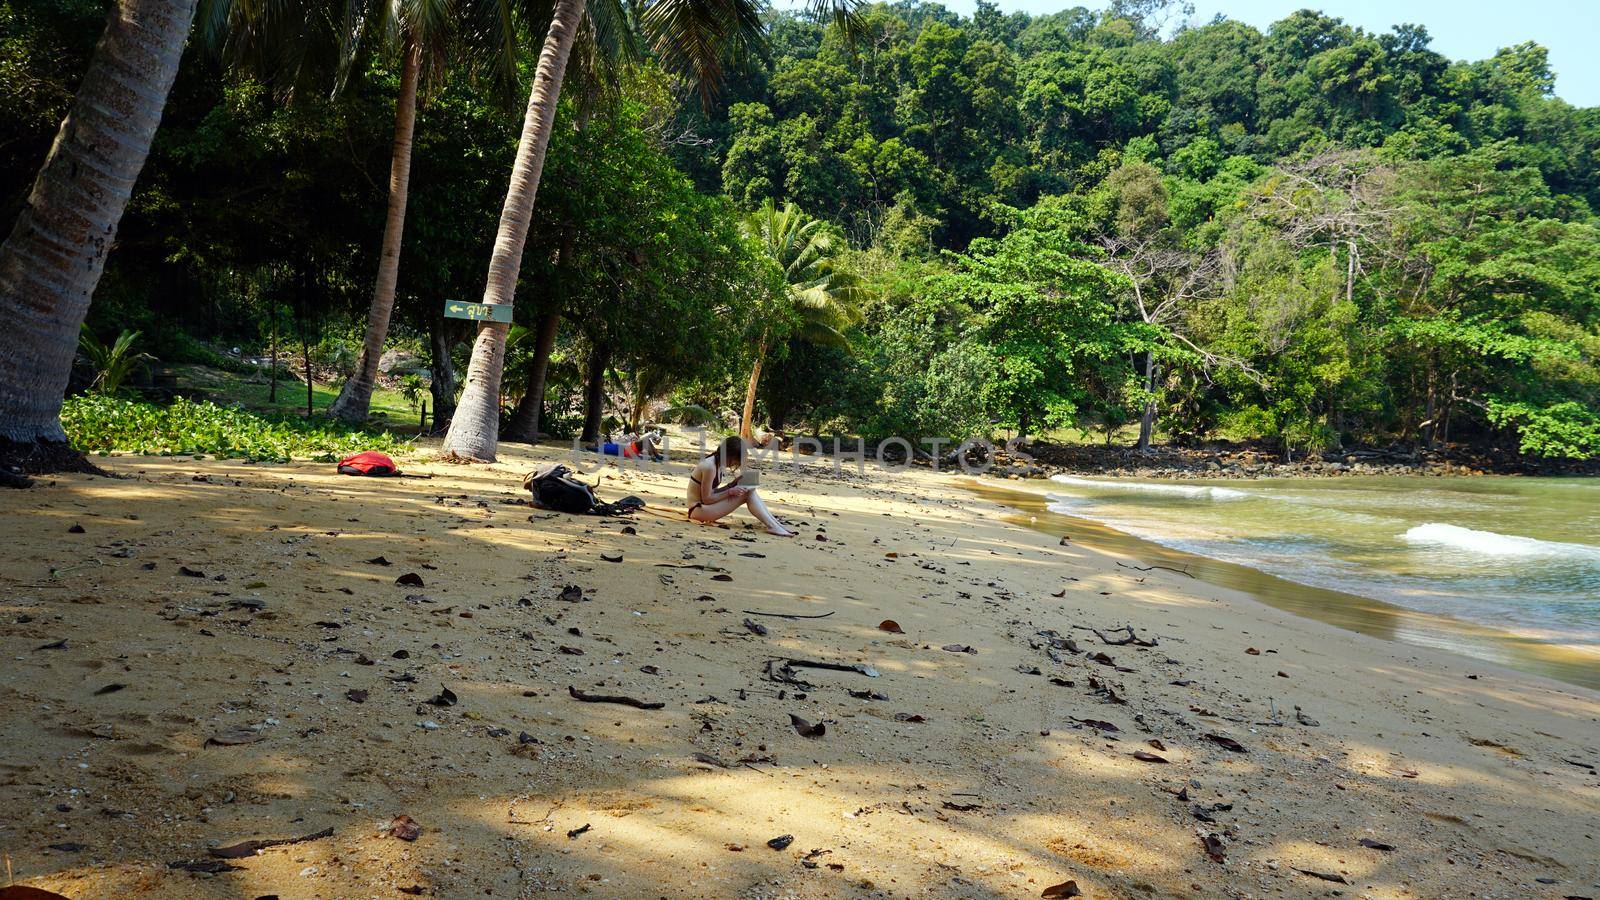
x,y
336,353
100,424
1247,423
112,363
1567,430
414,389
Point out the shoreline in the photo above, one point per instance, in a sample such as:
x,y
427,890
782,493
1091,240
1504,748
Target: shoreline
x,y
1573,665
227,652
1247,462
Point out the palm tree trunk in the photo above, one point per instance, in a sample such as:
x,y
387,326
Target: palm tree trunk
x,y
52,260
746,420
524,424
355,398
594,393
475,429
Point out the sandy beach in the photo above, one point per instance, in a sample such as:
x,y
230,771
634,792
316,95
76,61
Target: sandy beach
x,y
201,653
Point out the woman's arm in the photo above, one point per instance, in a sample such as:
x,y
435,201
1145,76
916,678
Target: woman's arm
x,y
708,481
709,489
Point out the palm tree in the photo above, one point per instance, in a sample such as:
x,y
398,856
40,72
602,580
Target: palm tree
x,y
302,45
51,262
689,37
355,397
483,31
819,300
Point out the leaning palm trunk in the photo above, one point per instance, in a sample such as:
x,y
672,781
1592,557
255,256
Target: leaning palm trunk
x,y
52,261
355,398
745,422
475,430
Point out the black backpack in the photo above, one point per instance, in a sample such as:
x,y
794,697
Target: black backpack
x,y
554,487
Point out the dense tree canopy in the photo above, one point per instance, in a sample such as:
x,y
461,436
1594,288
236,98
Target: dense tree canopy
x,y
1322,234
1311,234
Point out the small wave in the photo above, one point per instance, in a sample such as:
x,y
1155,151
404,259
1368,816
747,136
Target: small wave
x,y
1491,543
1197,491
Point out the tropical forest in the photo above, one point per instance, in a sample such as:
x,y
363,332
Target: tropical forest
x,y
831,449
1097,226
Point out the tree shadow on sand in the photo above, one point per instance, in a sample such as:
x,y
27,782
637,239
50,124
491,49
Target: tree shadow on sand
x,y
1007,784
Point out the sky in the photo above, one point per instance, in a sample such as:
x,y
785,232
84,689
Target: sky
x,y
1461,29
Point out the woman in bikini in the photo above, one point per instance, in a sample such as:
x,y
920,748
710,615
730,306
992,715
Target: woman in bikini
x,y
709,502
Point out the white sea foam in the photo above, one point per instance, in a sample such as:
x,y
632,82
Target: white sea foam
x,y
1198,491
1490,543
1065,505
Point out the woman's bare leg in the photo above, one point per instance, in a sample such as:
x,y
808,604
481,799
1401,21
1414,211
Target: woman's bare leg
x,y
711,512
759,509
716,509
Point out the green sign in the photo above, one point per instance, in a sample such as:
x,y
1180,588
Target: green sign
x,y
478,312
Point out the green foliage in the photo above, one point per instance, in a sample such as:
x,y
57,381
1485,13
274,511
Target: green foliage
x,y
1500,299
112,363
102,424
819,299
1565,429
1309,234
632,256
688,414
813,301
44,47
1007,335
1005,113
933,376
414,389
1284,317
177,346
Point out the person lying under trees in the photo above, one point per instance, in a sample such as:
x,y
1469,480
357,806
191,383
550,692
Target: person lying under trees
x,y
631,446
710,501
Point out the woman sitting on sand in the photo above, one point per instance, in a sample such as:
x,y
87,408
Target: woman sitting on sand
x,y
709,501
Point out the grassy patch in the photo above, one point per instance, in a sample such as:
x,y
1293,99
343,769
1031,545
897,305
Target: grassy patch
x,y
251,390
98,424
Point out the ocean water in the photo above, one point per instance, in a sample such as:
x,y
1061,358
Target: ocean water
x,y
1515,554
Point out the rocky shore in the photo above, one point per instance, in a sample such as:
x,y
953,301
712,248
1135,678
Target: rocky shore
x,y
1247,461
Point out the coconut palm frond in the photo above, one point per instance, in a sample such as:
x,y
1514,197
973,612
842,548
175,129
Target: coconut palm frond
x,y
113,364
490,35
823,335
293,46
697,39
825,299
688,414
844,14
520,339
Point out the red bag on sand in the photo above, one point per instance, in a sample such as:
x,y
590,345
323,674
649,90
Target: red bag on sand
x,y
368,462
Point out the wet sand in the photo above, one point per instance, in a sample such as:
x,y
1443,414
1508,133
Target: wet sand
x,y
218,657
